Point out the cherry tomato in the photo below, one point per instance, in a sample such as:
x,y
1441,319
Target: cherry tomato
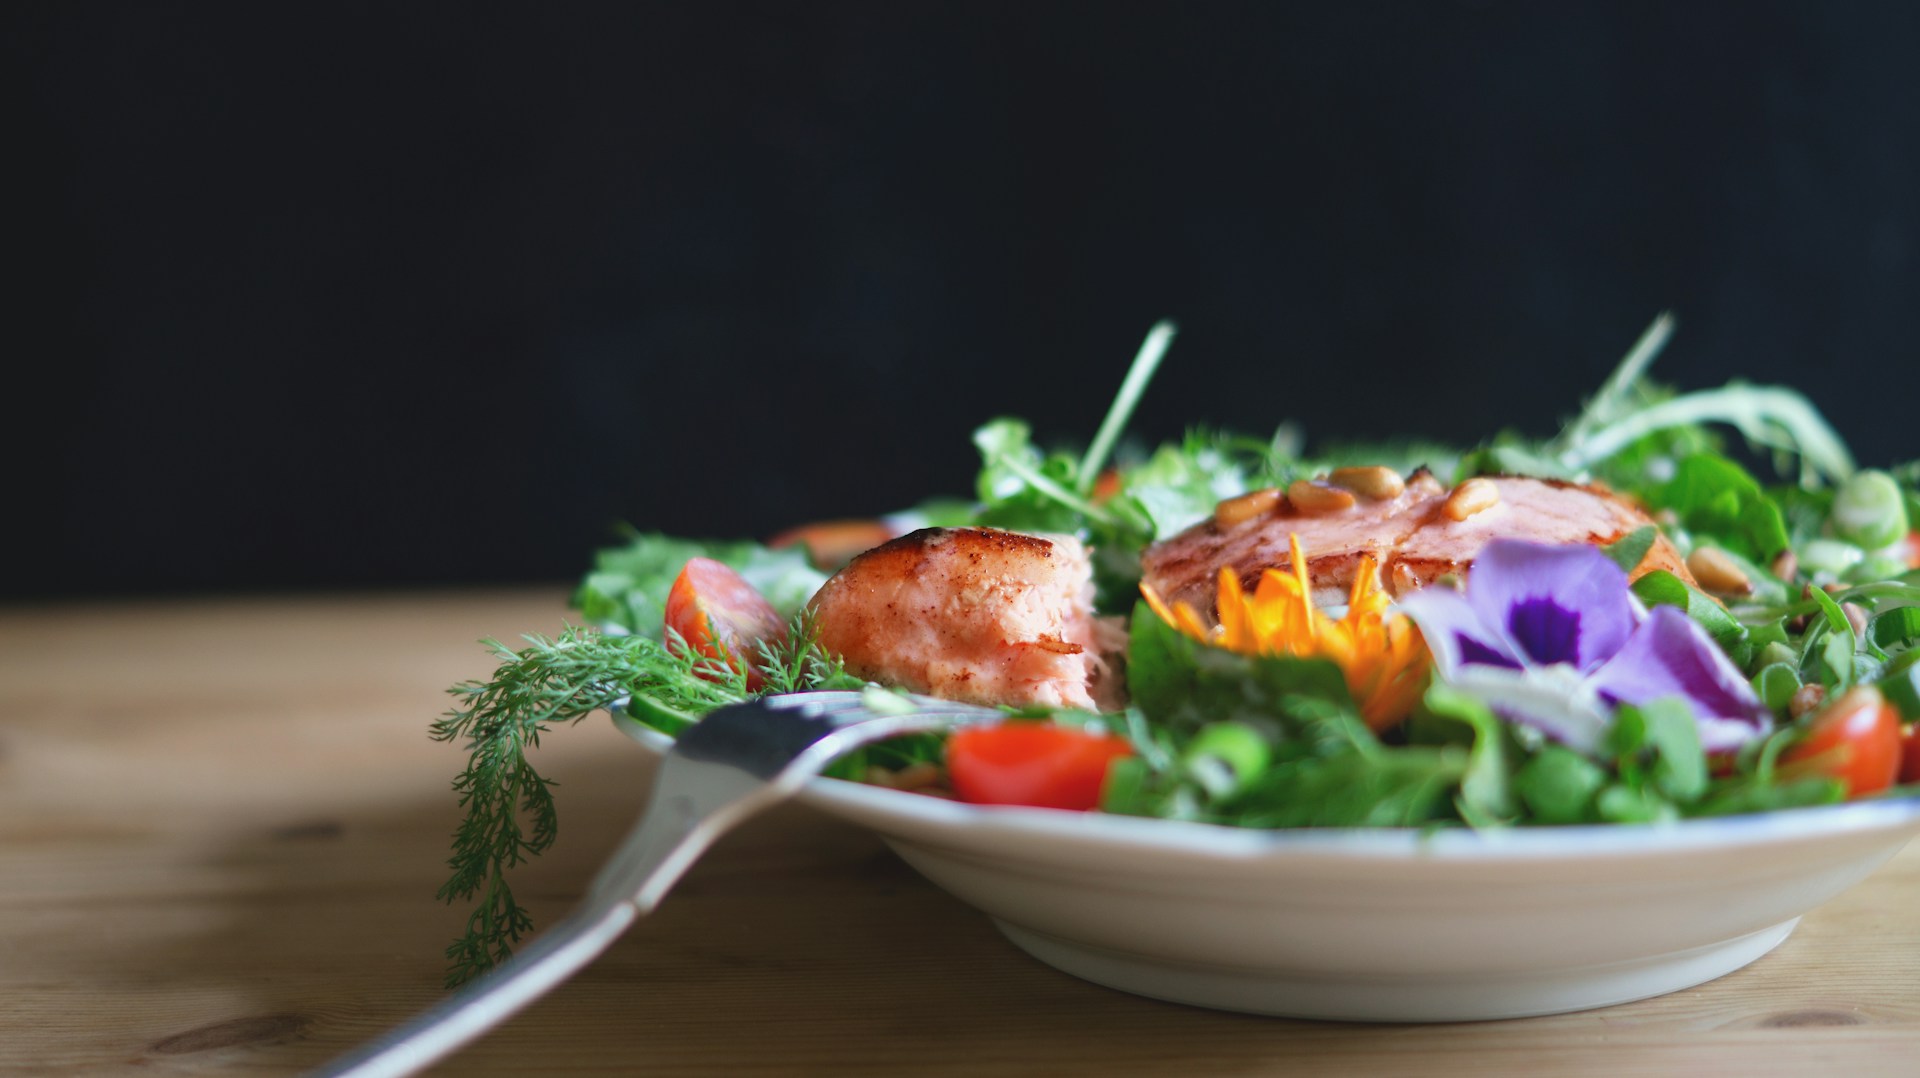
x,y
1910,754
720,615
1030,763
833,543
1855,739
1106,486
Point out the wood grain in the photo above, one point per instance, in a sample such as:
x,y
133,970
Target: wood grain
x,y
222,823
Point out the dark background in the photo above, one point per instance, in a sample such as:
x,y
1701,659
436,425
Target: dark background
x,y
344,296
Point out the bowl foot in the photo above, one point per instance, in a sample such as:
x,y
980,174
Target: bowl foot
x,y
1480,997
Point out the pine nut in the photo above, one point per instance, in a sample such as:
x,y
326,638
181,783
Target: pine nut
x,y
1314,497
1786,565
1235,511
1856,617
1422,483
1469,498
1378,482
1806,700
912,777
916,776
1714,571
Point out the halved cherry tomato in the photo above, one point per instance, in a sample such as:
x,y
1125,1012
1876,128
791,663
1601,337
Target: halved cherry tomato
x,y
1030,763
831,544
1855,739
1910,754
721,616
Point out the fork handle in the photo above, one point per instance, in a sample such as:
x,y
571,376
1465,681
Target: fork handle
x,y
687,810
560,951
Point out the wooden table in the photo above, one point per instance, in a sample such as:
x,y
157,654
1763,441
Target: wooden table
x,y
222,824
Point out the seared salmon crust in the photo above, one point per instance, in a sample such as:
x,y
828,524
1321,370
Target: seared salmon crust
x,y
972,614
1412,537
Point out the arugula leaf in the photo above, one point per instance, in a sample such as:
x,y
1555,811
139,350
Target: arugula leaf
x,y
1181,685
1753,794
626,591
1663,588
1510,454
1178,486
1631,549
1486,797
1713,496
1900,684
1403,456
1662,738
1775,685
1895,631
1404,787
1619,395
1770,417
1132,788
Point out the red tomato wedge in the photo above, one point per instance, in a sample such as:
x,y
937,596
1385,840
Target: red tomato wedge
x,y
720,615
1855,739
1910,754
1030,763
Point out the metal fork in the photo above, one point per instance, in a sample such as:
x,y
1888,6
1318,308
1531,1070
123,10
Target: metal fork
x,y
731,764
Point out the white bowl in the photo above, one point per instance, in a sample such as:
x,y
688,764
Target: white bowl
x,y
1380,925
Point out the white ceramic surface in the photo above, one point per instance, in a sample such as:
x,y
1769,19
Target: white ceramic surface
x,y
1380,925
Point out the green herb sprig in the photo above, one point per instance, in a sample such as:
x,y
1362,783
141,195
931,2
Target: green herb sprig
x,y
510,816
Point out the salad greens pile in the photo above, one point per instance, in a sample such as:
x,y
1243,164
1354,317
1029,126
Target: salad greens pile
x,y
1829,601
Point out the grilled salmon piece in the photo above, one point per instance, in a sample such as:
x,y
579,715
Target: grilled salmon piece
x,y
1186,568
1414,537
974,614
1540,510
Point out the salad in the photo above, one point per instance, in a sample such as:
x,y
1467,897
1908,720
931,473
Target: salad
x,y
1684,604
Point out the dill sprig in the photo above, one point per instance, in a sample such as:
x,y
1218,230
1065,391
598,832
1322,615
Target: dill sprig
x,y
510,816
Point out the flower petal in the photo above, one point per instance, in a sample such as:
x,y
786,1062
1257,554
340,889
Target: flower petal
x,y
1454,631
1670,655
1552,699
1553,604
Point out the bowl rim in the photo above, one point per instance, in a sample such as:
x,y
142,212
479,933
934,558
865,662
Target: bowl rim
x,y
984,824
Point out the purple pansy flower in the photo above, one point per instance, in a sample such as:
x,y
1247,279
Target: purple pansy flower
x,y
1552,637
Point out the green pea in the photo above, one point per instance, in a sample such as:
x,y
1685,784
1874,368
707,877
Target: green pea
x,y
1627,804
1559,785
1869,509
1829,556
1225,757
1874,567
1776,682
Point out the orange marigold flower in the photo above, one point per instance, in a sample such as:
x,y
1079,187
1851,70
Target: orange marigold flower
x,y
1381,654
